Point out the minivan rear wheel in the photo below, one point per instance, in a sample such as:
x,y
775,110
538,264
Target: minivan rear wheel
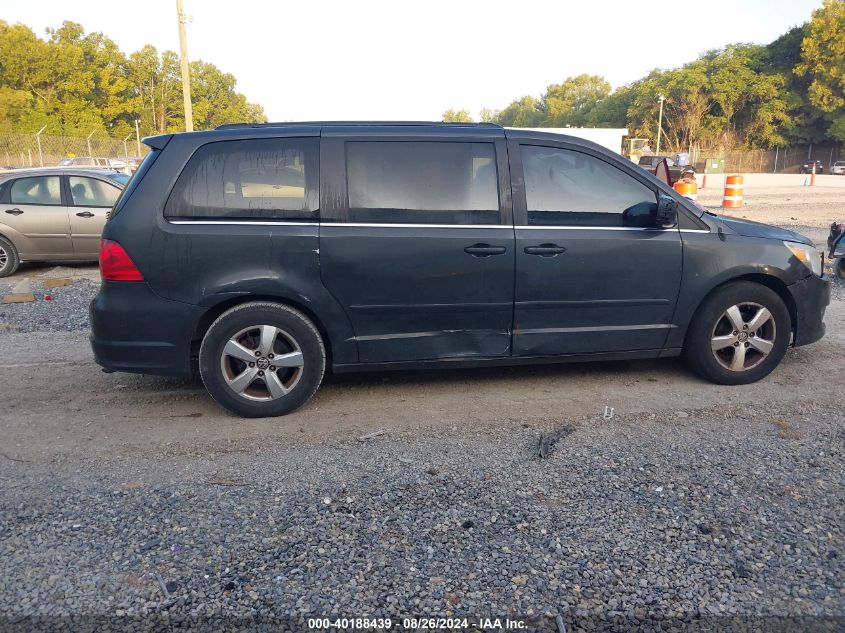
x,y
9,259
739,334
262,359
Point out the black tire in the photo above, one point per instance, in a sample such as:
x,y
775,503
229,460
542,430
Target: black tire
x,y
839,267
9,258
222,373
712,327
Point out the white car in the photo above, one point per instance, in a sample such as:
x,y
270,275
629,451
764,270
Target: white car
x,y
838,168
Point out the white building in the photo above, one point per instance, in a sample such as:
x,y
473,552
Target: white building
x,y
609,137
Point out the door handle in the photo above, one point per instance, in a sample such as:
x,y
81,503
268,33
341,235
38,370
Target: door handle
x,y
545,250
85,214
485,250
14,211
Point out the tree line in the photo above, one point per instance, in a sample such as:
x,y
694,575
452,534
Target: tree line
x,y
789,92
77,83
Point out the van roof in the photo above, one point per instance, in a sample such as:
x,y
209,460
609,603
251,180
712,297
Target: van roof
x,y
226,126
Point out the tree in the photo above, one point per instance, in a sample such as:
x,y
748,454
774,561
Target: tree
x,y
613,110
457,116
823,60
568,104
488,115
76,84
524,112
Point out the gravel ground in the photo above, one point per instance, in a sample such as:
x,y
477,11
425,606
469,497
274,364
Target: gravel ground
x,y
724,517
649,522
67,309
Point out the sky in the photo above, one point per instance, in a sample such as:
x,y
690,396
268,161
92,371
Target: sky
x,y
412,60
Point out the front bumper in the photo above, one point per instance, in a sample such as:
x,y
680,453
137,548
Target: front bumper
x,y
812,296
135,330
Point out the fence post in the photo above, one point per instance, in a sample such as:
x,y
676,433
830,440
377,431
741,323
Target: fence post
x,y
38,140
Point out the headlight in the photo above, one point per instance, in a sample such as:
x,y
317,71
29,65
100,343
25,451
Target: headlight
x,y
808,255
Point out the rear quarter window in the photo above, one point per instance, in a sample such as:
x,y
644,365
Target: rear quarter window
x,y
249,179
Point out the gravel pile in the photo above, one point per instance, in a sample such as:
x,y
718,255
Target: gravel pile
x,y
648,523
67,309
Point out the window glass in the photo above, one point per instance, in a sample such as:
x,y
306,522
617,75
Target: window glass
x,y
250,179
422,182
121,178
90,192
565,187
36,190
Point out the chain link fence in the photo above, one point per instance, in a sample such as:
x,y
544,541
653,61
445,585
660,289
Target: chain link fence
x,y
27,150
782,160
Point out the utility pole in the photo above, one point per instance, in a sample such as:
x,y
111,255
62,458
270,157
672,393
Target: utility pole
x,y
659,124
137,137
186,72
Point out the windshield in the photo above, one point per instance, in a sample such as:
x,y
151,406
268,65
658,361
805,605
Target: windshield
x,y
121,178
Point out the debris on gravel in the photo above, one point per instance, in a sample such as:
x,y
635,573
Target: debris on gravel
x,y
54,309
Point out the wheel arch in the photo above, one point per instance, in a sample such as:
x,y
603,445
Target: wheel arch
x,y
13,237
770,281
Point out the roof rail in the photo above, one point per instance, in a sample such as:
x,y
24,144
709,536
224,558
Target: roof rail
x,y
227,126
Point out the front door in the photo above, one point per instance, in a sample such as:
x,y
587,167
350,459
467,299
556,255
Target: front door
x,y
420,254
91,200
589,278
33,207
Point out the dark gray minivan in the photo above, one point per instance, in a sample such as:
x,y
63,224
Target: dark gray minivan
x,y
264,254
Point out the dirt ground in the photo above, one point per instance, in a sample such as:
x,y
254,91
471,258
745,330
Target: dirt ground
x,y
65,407
57,403
809,210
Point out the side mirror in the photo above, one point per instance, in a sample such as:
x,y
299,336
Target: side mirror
x,y
667,212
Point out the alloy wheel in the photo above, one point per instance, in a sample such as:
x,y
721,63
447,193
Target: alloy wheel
x,y
4,258
743,336
262,363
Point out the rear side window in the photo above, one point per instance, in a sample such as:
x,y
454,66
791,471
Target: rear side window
x,y
37,190
250,179
565,187
422,182
90,192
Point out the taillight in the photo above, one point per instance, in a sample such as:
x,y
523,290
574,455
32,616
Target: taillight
x,y
115,263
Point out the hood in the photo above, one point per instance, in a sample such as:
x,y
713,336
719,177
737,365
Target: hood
x,y
747,228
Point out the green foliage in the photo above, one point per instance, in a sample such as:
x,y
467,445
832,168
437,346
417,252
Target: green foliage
x,y
823,64
76,84
488,115
568,104
456,116
522,113
791,91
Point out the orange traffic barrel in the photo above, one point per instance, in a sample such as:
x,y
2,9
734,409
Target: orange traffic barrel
x,y
733,192
687,189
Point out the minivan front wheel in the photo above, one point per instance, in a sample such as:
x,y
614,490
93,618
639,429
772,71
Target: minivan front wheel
x,y
739,334
262,359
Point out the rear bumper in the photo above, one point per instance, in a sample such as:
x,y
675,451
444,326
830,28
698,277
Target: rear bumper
x,y
812,296
135,330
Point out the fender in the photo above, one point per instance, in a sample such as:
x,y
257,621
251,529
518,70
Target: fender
x,y
706,268
22,243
